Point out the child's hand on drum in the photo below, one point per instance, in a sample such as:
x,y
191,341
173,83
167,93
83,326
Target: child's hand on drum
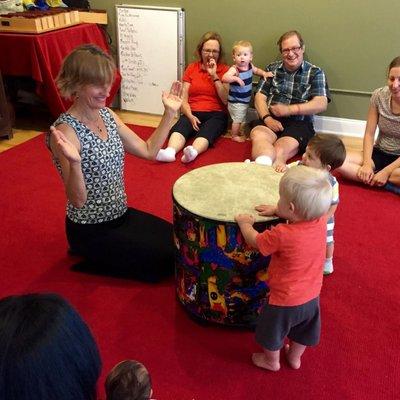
x,y
244,219
266,210
245,222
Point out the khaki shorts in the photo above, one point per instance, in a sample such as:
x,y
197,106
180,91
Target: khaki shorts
x,y
238,111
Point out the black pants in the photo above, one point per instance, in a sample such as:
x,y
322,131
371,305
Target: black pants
x,y
213,125
137,245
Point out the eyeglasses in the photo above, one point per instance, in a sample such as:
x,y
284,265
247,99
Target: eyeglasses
x,y
209,51
293,49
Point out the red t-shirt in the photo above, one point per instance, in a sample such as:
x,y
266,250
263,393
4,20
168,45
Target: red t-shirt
x,y
298,254
203,95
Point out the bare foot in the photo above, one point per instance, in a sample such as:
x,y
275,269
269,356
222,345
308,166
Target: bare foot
x,y
260,360
280,165
238,138
294,362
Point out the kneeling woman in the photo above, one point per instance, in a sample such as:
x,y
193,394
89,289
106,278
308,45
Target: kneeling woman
x,y
379,163
88,144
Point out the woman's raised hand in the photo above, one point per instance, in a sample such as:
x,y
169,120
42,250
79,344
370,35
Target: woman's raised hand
x,y
67,149
172,100
211,67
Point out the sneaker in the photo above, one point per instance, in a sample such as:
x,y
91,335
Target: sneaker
x,y
328,267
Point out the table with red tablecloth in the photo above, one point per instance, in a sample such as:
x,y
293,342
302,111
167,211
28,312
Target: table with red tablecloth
x,y
39,56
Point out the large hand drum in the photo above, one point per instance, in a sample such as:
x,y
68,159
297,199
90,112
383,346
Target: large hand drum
x,y
218,276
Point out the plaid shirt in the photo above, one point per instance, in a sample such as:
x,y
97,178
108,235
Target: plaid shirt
x,y
294,87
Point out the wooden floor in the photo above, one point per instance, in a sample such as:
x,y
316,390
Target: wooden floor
x,y
37,127
21,135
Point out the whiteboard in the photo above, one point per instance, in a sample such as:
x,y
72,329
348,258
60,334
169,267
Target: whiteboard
x,y
151,54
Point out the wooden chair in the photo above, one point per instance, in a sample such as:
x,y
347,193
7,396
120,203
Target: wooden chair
x,y
6,113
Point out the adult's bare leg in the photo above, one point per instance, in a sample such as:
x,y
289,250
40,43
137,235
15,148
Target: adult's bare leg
x,y
351,165
285,147
176,141
262,143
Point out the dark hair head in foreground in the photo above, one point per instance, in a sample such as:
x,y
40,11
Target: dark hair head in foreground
x,y
46,350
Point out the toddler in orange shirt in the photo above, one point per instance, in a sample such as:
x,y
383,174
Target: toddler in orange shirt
x,y
296,268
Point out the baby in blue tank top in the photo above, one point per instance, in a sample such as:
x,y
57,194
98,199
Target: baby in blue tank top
x,y
240,79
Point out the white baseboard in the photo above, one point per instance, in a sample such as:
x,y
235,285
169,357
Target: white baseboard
x,y
340,126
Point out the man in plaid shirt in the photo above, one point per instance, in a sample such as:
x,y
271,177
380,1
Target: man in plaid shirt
x,y
286,104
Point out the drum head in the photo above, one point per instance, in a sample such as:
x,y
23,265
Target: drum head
x,y
221,191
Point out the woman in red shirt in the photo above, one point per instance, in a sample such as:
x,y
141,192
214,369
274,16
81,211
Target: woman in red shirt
x,y
204,115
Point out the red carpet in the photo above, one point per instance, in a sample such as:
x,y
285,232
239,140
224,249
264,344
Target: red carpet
x,y
357,359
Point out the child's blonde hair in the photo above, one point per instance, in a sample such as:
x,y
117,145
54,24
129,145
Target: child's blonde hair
x,y
242,43
308,189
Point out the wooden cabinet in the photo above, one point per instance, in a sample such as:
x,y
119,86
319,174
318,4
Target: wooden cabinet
x,y
6,113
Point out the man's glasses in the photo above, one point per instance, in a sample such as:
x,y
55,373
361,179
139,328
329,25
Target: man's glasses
x,y
209,51
291,49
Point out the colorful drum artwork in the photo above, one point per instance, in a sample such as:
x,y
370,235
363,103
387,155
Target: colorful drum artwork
x,y
219,278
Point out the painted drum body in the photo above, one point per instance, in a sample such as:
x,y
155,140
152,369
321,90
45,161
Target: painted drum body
x,y
219,278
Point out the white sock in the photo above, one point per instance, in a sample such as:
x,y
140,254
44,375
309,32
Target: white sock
x,y
263,160
166,155
189,154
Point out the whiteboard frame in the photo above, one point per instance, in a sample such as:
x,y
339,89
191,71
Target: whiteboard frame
x,y
180,39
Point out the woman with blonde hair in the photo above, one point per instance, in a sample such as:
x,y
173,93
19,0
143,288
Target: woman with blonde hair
x,y
88,144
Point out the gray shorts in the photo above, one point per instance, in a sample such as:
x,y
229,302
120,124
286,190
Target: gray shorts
x,y
238,112
302,324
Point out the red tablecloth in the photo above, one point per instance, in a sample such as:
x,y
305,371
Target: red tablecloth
x,y
40,57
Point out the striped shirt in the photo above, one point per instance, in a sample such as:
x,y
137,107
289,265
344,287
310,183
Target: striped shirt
x,y
295,87
335,200
242,94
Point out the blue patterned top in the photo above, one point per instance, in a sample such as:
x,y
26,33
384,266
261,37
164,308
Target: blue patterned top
x,y
103,170
295,87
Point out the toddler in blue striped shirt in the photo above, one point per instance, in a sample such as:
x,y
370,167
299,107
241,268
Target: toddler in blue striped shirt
x,y
240,79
